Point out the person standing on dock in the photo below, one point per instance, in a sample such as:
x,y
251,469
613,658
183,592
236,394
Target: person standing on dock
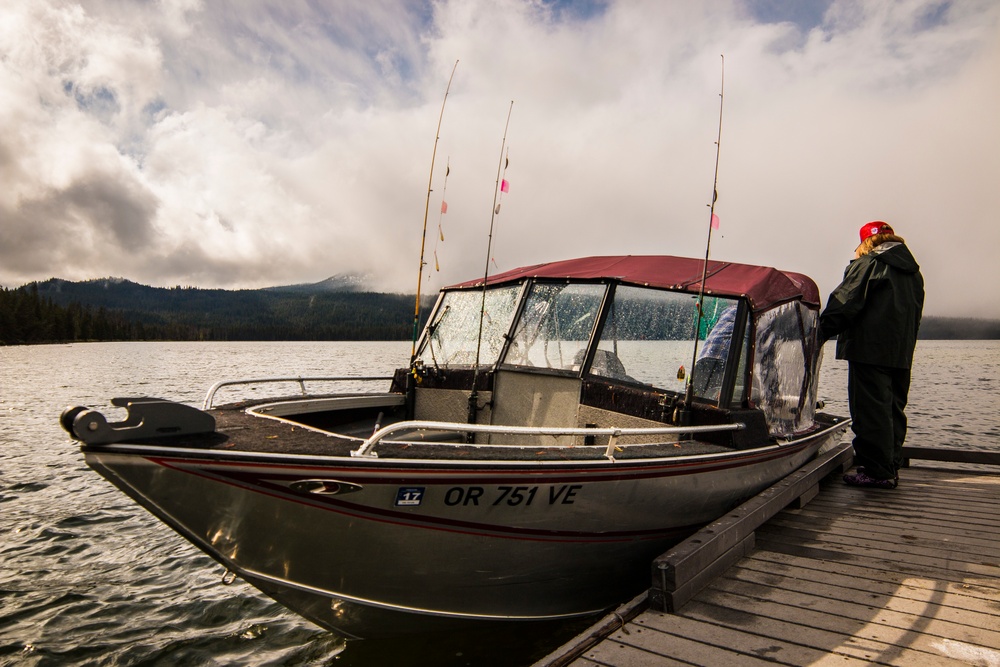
x,y
875,314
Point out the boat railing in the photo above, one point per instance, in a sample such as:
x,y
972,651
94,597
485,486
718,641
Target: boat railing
x,y
210,397
367,448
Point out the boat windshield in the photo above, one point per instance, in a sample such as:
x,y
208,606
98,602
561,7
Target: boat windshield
x,y
648,338
452,337
555,326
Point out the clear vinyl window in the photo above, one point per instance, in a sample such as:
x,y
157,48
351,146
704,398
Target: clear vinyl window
x,y
555,326
784,369
452,337
649,335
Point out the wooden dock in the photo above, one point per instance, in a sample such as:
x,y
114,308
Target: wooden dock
x,y
836,575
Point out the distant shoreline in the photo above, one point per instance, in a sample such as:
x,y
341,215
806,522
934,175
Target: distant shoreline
x,y
299,340
934,328
958,328
58,311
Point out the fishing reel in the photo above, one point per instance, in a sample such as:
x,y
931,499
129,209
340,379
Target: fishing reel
x,y
421,372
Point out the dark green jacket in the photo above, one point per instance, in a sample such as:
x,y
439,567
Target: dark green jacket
x,y
875,312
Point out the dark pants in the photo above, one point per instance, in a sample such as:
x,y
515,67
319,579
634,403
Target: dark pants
x,y
877,396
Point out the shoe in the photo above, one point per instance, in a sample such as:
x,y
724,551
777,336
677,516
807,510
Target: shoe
x,y
895,478
861,479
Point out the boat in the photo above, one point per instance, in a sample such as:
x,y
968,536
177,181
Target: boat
x,y
557,427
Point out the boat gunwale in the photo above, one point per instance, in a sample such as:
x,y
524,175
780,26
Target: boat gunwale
x,y
166,451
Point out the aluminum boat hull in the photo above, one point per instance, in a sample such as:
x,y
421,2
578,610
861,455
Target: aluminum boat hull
x,y
557,427
377,547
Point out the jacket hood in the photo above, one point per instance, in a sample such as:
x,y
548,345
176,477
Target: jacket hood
x,y
897,256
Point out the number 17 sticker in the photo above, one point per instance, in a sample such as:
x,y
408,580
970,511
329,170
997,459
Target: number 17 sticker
x,y
409,496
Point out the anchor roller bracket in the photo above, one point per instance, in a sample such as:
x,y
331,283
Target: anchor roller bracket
x,y
147,418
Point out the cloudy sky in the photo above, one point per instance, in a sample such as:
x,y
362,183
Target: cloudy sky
x,y
251,143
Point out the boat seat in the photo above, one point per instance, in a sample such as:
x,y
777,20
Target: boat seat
x,y
607,364
707,377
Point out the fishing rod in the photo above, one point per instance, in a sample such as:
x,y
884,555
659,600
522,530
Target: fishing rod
x,y
423,237
689,390
444,209
501,167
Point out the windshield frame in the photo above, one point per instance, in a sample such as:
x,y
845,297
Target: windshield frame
x,y
738,349
735,351
576,368
426,355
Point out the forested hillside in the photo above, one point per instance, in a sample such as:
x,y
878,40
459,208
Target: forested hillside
x,y
58,310
115,309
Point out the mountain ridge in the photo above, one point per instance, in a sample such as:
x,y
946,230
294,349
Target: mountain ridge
x,y
121,309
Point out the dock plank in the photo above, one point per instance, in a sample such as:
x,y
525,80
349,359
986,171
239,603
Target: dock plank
x,y
613,654
861,607
898,536
823,630
982,539
755,647
856,576
684,640
837,547
775,565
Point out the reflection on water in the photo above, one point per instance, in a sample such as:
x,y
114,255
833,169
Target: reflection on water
x,y
87,577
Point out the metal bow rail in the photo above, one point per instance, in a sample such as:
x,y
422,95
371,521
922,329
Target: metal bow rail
x,y
367,448
210,397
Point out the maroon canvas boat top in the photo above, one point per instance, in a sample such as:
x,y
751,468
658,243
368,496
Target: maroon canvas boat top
x,y
763,286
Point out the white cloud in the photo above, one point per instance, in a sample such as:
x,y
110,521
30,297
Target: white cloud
x,y
254,143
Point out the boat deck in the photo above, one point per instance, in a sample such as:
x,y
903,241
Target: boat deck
x,y
855,577
238,430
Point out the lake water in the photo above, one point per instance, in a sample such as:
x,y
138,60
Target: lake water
x,y
89,578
